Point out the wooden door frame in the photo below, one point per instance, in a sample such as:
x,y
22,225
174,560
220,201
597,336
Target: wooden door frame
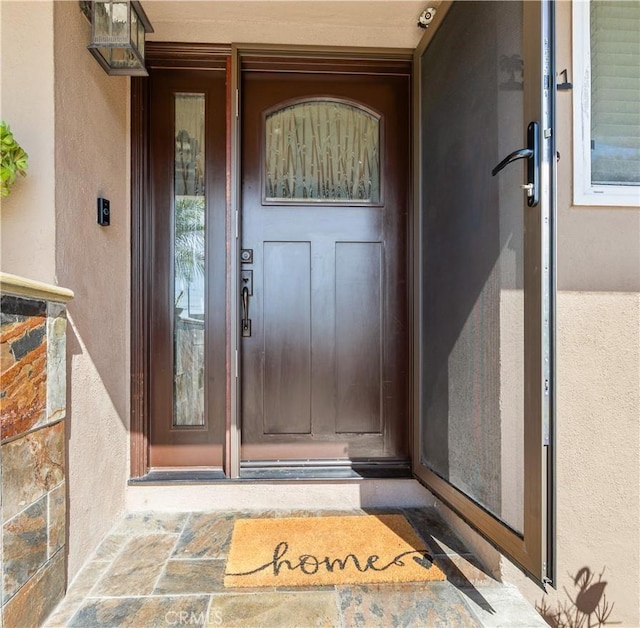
x,y
202,56
159,55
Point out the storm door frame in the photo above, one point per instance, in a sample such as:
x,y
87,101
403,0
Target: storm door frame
x,y
535,551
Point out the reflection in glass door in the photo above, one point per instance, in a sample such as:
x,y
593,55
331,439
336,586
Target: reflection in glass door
x,y
474,366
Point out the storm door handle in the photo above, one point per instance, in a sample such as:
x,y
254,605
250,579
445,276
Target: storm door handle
x,y
523,153
532,154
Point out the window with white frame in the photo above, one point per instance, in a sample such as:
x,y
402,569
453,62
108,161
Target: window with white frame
x,y
606,102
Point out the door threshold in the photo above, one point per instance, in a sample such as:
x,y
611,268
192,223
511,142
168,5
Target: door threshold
x,y
324,470
325,473
253,471
180,476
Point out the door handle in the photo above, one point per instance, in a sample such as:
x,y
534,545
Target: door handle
x,y
246,321
523,153
532,154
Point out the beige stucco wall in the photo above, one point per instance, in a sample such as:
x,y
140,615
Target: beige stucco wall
x,y
598,438
28,213
296,22
91,160
72,119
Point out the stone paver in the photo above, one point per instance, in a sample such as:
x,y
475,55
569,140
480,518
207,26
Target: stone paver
x,y
137,568
167,569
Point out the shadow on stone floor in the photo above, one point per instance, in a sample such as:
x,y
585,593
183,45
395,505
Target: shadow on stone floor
x,y
167,569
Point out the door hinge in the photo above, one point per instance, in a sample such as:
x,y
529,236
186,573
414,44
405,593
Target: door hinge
x,y
236,364
237,103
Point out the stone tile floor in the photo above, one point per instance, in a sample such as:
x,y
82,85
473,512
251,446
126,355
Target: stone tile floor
x,y
166,570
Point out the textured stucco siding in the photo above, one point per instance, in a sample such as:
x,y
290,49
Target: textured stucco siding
x,y
27,85
92,160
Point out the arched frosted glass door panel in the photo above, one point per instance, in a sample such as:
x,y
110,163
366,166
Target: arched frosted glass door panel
x,y
323,151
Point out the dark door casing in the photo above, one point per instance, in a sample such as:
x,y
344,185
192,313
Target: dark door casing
x,y
335,275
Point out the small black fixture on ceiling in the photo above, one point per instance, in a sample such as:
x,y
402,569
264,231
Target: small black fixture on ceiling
x,y
426,17
118,29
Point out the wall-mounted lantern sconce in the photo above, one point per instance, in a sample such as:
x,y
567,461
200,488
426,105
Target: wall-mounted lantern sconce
x,y
118,29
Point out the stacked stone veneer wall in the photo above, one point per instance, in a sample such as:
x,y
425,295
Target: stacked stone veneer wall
x,y
32,460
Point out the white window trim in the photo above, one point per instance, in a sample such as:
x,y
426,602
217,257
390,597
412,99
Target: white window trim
x,y
584,192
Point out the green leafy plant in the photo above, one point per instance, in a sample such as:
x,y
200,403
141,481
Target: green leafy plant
x,y
14,159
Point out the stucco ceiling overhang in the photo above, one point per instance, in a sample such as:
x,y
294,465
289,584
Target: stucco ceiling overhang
x,y
378,23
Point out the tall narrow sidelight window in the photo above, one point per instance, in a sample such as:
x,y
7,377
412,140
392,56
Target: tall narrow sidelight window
x,y
183,277
322,151
189,260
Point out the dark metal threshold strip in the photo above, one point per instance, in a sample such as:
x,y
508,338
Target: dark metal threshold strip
x,y
325,473
254,471
179,476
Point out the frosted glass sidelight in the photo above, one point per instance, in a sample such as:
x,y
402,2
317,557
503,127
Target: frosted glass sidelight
x,y
189,260
322,151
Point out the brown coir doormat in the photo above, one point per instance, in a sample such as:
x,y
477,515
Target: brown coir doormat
x,y
327,550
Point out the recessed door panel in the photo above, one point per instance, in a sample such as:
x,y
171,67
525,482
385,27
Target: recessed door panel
x,y
287,337
358,337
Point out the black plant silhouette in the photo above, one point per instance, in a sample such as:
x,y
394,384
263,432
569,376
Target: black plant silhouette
x,y
588,609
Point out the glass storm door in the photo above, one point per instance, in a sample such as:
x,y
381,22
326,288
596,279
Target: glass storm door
x,y
484,274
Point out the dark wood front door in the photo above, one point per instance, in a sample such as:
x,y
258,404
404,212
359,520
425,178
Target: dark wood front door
x,y
325,197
